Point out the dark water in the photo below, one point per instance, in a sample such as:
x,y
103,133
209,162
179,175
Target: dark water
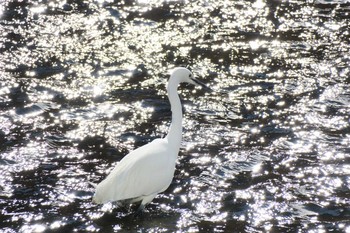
x,y
83,83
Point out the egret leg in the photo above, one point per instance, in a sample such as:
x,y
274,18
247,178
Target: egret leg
x,y
145,200
140,209
124,205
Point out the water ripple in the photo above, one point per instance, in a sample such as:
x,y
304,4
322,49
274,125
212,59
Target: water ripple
x,y
83,83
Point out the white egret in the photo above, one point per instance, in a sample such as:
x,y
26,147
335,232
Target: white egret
x,y
149,169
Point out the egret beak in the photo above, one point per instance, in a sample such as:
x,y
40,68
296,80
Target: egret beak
x,y
199,83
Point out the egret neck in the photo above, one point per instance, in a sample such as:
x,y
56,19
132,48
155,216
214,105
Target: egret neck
x,y
175,132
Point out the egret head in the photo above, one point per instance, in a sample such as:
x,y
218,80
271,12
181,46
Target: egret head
x,y
183,75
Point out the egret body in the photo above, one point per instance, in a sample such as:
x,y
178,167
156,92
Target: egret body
x,y
149,169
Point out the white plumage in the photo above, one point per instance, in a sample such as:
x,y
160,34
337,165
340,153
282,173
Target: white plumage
x,y
149,169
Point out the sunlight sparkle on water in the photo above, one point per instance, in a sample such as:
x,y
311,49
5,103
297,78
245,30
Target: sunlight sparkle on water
x,y
98,90
83,82
255,44
259,4
38,9
56,224
36,228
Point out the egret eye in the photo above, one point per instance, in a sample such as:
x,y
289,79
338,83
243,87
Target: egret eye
x,y
190,75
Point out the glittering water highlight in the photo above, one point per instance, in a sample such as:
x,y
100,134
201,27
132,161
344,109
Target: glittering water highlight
x,y
83,83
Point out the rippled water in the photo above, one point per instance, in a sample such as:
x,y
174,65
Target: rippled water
x,y
83,83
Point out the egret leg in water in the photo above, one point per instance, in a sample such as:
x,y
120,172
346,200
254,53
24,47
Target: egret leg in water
x,y
149,169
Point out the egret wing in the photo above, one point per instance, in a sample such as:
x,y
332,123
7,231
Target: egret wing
x,y
146,170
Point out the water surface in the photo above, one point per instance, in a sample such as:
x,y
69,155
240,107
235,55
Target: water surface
x,y
83,83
